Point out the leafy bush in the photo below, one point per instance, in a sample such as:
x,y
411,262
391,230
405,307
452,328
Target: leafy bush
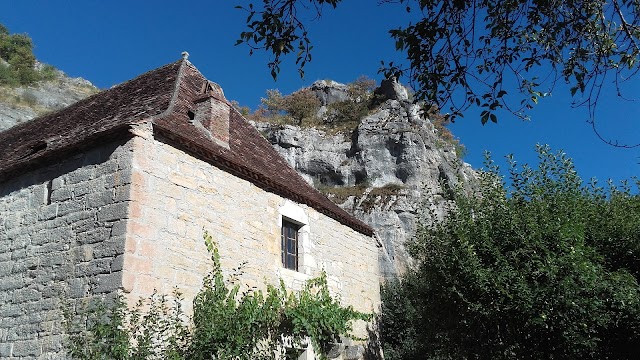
x,y
301,108
524,270
154,328
243,110
348,113
17,52
226,323
400,336
48,72
7,76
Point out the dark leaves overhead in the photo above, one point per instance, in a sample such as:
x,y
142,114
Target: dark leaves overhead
x,y
496,55
277,28
476,52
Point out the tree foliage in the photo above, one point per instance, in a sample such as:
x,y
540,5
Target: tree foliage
x,y
301,105
490,54
304,108
278,29
543,267
226,324
17,51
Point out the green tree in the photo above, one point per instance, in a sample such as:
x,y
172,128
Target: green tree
x,y
527,270
491,54
17,51
300,105
17,65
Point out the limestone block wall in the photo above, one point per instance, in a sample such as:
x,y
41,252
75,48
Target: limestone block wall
x,y
62,234
174,196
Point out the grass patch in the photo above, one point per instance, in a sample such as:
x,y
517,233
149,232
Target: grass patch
x,y
367,200
381,196
340,194
440,123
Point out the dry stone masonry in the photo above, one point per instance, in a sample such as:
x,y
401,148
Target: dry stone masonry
x,y
62,237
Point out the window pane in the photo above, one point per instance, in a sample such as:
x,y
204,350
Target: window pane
x,y
282,244
289,245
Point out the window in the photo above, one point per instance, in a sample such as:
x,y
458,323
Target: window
x,y
289,244
295,244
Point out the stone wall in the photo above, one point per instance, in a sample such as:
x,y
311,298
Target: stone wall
x,y
62,233
175,196
131,215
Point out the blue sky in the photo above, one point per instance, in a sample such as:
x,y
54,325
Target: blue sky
x,y
108,42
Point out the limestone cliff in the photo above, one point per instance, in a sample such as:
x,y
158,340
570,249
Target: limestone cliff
x,y
386,172
19,104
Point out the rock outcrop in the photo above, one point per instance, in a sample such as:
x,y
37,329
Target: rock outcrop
x,y
391,171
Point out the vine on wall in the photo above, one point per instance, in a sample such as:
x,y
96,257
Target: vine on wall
x,y
226,323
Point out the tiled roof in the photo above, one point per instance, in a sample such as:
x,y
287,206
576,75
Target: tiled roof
x,y
165,97
24,146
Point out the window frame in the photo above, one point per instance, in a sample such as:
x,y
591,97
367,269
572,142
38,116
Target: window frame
x,y
290,254
297,215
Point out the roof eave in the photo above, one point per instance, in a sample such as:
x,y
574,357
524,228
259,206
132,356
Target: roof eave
x,y
51,154
257,178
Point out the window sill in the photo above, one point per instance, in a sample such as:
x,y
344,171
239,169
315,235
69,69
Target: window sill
x,y
293,280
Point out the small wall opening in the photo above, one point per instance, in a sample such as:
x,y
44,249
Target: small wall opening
x,y
48,191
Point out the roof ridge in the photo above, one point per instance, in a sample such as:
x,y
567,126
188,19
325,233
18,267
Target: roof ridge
x,y
249,155
176,88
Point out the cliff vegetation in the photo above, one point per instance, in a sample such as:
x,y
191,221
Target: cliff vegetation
x,y
29,88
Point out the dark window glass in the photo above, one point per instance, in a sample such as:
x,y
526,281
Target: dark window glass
x,y
289,245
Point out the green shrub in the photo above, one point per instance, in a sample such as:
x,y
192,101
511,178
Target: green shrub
x,y
301,108
529,269
7,76
226,323
347,114
153,329
48,72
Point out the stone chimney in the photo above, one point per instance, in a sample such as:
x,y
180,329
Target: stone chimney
x,y
212,113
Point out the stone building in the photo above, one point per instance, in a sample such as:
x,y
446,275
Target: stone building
x,y
114,192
